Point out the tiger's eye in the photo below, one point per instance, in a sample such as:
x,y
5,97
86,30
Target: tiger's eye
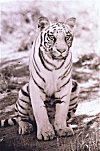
x,y
68,36
51,37
68,33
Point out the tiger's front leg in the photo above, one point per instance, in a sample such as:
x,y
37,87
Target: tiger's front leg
x,y
44,128
60,124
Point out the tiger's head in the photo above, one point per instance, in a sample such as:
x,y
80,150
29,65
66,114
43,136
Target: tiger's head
x,y
56,38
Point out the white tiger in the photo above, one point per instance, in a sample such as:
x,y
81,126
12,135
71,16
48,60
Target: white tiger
x,y
50,77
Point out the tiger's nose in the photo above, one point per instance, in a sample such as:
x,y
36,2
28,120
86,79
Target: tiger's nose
x,y
61,50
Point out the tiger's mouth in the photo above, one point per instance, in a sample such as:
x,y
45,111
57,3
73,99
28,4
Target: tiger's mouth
x,y
59,56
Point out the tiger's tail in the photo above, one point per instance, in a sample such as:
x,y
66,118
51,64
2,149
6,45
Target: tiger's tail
x,y
9,122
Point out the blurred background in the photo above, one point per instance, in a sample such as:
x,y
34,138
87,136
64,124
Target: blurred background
x,y
18,24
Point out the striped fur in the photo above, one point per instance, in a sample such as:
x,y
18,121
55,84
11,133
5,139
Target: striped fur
x,y
23,111
50,77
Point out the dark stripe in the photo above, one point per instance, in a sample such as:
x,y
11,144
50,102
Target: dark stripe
x,y
42,60
36,63
22,113
57,101
34,58
28,88
70,67
25,120
63,96
24,93
22,116
60,97
75,86
43,35
74,98
69,62
41,38
61,65
70,100
14,121
21,106
38,73
65,84
69,115
73,107
70,105
28,91
6,123
28,103
0,123
16,108
74,110
37,84
66,73
70,41
54,26
48,61
58,90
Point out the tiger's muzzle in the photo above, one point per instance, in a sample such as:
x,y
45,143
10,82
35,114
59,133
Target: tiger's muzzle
x,y
61,50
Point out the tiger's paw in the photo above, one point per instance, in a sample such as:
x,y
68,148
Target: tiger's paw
x,y
25,127
46,132
64,131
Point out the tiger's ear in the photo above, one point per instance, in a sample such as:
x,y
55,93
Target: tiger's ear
x,y
43,22
71,22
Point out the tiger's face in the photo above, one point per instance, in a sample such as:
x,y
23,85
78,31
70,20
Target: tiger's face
x,y
56,39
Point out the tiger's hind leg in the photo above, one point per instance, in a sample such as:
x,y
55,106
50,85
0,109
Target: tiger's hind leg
x,y
22,107
73,100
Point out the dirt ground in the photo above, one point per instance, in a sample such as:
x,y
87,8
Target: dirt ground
x,y
87,136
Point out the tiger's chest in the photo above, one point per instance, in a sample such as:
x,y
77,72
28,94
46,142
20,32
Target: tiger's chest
x,y
56,78
52,83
